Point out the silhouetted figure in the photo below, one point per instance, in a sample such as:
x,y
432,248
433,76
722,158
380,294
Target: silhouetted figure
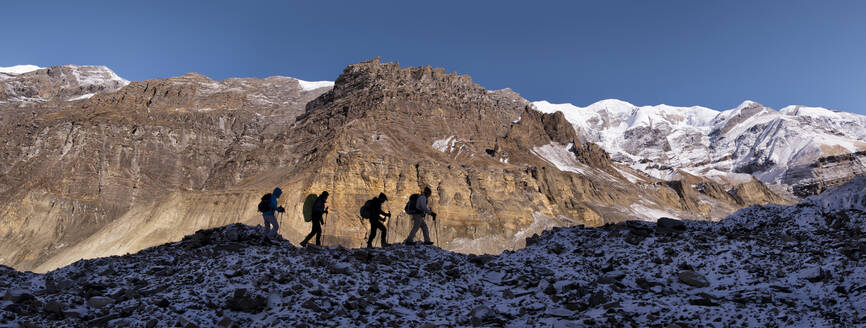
x,y
319,210
418,214
372,210
268,206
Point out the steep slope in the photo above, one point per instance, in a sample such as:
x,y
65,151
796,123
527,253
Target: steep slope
x,y
764,266
802,149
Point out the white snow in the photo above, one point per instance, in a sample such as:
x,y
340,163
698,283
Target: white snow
x,y
19,69
84,96
313,85
560,156
851,195
650,214
445,145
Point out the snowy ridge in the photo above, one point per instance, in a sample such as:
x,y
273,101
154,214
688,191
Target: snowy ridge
x,y
750,138
19,69
851,195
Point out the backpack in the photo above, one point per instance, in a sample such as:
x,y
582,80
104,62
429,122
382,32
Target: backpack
x,y
265,204
308,207
412,205
367,209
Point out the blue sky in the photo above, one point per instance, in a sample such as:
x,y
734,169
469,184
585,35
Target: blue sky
x,y
710,53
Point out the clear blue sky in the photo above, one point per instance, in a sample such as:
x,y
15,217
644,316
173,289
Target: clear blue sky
x,y
711,53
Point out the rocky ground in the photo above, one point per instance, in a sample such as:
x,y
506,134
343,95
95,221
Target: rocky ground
x,y
768,266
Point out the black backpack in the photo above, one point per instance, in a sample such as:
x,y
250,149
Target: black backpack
x,y
265,204
412,205
367,209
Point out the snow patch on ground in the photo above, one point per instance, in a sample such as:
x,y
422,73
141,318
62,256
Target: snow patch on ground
x,y
560,156
651,214
445,145
82,97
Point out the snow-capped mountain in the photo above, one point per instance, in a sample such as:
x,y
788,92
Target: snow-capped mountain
x,y
29,84
781,147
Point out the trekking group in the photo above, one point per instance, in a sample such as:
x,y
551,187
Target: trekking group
x,y
315,211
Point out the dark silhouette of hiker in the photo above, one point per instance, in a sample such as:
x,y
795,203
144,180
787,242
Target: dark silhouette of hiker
x,y
372,210
271,225
418,218
319,210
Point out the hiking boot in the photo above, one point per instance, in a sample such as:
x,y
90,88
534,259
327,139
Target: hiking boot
x,y
428,243
385,245
409,242
303,244
369,245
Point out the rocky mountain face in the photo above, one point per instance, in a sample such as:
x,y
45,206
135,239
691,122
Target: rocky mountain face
x,y
128,169
764,266
498,169
71,174
798,151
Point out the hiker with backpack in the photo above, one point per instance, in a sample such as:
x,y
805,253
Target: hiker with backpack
x,y
319,210
372,210
417,207
268,205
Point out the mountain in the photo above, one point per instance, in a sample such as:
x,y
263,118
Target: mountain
x,y
763,266
801,150
155,160
75,171
28,85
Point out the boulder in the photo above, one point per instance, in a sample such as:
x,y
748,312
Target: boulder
x,y
597,298
243,301
668,225
480,314
99,302
693,279
54,307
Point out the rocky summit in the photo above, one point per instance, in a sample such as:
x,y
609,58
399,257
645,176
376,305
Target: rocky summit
x,y
93,165
765,266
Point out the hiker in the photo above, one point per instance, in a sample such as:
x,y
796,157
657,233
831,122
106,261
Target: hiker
x,y
418,214
319,210
268,206
372,210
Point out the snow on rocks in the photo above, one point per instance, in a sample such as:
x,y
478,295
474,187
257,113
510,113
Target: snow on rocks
x,y
774,146
765,266
313,85
19,69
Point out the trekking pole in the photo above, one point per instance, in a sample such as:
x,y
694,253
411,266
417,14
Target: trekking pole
x,y
436,223
366,233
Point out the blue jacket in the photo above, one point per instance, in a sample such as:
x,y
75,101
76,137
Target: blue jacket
x,y
273,205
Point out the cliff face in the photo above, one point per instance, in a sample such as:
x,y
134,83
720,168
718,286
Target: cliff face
x,y
158,159
69,174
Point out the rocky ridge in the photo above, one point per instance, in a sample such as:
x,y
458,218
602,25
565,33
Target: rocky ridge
x,y
763,266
